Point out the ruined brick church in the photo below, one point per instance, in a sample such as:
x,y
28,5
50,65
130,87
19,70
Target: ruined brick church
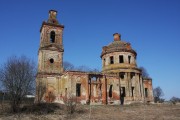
x,y
120,74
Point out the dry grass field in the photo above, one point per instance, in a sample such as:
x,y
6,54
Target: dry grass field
x,y
97,112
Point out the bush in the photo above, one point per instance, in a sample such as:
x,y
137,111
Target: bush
x,y
41,108
175,100
70,104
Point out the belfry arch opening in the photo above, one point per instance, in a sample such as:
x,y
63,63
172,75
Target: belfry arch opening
x,y
52,37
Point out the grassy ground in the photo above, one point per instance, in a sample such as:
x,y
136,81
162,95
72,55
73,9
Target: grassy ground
x,y
86,112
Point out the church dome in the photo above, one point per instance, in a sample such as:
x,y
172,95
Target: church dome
x,y
120,44
117,46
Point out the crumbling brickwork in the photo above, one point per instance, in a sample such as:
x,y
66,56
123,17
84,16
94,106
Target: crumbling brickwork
x,y
120,76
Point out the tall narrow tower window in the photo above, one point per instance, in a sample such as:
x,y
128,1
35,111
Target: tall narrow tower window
x,y
104,62
111,60
146,92
121,74
121,60
52,37
132,90
78,90
110,90
129,59
122,92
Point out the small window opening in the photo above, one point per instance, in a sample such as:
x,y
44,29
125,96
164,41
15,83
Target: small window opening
x,y
132,90
129,59
123,92
121,60
51,60
78,90
66,92
104,62
52,36
146,92
132,74
111,60
110,91
100,87
121,74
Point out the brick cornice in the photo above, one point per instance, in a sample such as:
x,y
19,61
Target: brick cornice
x,y
51,24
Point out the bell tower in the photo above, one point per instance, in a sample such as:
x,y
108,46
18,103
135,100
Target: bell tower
x,y
50,55
50,59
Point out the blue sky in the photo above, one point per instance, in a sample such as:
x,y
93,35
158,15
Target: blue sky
x,y
151,26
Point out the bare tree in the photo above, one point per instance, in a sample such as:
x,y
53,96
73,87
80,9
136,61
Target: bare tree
x,y
158,93
83,68
95,70
18,79
68,66
144,72
70,102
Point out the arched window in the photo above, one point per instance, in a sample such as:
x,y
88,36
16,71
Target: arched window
x,y
52,37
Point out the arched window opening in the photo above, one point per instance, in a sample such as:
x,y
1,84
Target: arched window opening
x,y
52,37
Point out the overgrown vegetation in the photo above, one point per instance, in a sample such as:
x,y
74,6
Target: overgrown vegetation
x,y
145,74
158,94
49,111
70,104
41,108
17,76
175,100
